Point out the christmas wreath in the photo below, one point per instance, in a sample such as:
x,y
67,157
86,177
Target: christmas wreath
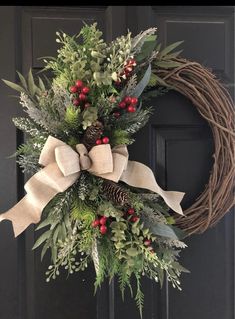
x,y
91,201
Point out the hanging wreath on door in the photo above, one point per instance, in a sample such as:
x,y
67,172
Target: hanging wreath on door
x,y
91,201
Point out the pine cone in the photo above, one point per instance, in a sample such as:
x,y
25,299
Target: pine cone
x,y
115,193
92,134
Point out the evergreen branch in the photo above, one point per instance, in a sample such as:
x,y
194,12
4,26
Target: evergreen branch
x,y
29,126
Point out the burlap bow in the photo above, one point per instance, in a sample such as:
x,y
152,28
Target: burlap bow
x,y
63,166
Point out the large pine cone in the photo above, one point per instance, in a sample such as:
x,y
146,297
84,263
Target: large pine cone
x,y
92,134
115,193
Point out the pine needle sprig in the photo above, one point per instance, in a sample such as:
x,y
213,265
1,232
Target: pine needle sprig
x,y
134,122
139,297
139,39
29,126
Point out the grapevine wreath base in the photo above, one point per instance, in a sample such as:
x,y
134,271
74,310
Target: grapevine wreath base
x,y
215,105
93,204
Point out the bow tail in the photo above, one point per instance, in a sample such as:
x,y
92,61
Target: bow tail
x,y
40,188
141,176
22,215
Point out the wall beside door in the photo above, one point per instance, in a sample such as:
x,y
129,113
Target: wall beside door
x,y
175,131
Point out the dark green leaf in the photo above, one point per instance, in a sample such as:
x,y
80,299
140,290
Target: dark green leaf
x,y
32,87
179,267
42,238
172,55
160,276
147,48
14,86
44,223
41,84
168,64
44,250
54,253
55,235
158,47
22,80
170,48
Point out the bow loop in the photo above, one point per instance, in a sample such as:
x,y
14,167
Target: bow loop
x,y
67,160
101,159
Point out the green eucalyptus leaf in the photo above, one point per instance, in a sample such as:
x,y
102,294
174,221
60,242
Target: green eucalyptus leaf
x,y
143,83
130,262
179,232
132,252
163,230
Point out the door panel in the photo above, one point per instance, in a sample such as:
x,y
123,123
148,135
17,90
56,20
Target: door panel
x,y
181,157
177,144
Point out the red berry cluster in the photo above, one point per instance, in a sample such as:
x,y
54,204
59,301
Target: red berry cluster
x,y
128,68
103,140
131,212
134,218
129,104
80,92
101,223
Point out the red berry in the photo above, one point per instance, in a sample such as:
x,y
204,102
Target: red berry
x,y
134,219
76,102
103,220
82,97
105,140
131,211
134,100
73,89
122,105
128,69
98,142
87,105
85,90
131,109
147,242
132,62
95,223
127,100
103,229
79,84
116,114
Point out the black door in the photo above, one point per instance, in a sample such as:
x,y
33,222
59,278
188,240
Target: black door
x,y
177,144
